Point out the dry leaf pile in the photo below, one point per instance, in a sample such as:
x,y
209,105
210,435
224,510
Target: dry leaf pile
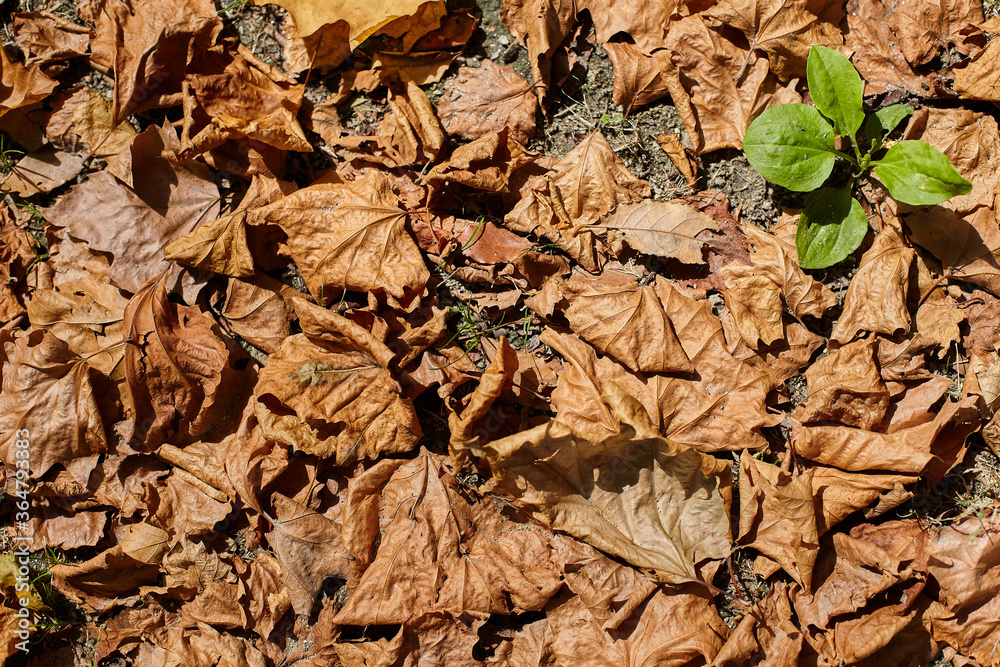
x,y
307,391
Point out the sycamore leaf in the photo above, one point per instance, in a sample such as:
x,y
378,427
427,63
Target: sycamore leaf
x,y
666,229
349,236
364,18
631,493
487,99
439,551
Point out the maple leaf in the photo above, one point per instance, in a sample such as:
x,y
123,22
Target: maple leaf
x,y
364,19
783,29
487,99
439,552
631,493
349,236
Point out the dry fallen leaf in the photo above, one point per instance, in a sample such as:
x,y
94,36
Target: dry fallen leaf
x,y
487,99
665,229
349,236
633,494
20,85
364,19
846,386
440,552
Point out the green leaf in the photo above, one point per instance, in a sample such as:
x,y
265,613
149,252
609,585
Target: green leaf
x,y
917,173
831,227
884,121
791,145
836,89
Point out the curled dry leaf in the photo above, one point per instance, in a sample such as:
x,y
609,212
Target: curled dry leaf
x,y
484,164
46,392
487,99
349,236
876,297
846,386
783,29
778,517
309,547
588,183
755,304
329,392
174,365
543,26
627,323
47,39
638,79
439,551
717,86
364,19
42,171
221,245
657,504
21,86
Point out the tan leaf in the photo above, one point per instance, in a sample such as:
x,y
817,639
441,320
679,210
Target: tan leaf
x,y
645,22
462,427
364,19
111,578
174,366
665,229
484,164
679,155
221,245
718,87
92,120
755,302
777,517
909,450
877,54
785,357
47,39
47,403
876,297
349,236
256,312
633,494
846,386
42,171
440,551
939,318
330,393
542,26
783,29
924,29
638,80
839,494
309,547
975,79
487,99
588,183
21,86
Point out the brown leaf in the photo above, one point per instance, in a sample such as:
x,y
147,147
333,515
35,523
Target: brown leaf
x,y
777,517
755,304
174,364
632,494
909,450
845,386
91,120
975,80
484,164
323,50
256,311
924,29
150,47
440,552
839,494
784,30
329,392
240,97
112,578
718,88
42,171
365,20
309,547
588,183
877,53
626,323
680,156
47,401
786,357
462,427
638,80
221,245
47,39
676,628
52,527
487,99
542,26
665,229
20,85
876,297
645,22
349,236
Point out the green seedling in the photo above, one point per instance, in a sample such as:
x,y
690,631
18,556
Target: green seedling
x,y
794,146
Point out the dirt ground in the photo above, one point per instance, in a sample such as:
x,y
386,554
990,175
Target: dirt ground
x,y
583,103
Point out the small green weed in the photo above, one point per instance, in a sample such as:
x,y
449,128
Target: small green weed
x,y
794,146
